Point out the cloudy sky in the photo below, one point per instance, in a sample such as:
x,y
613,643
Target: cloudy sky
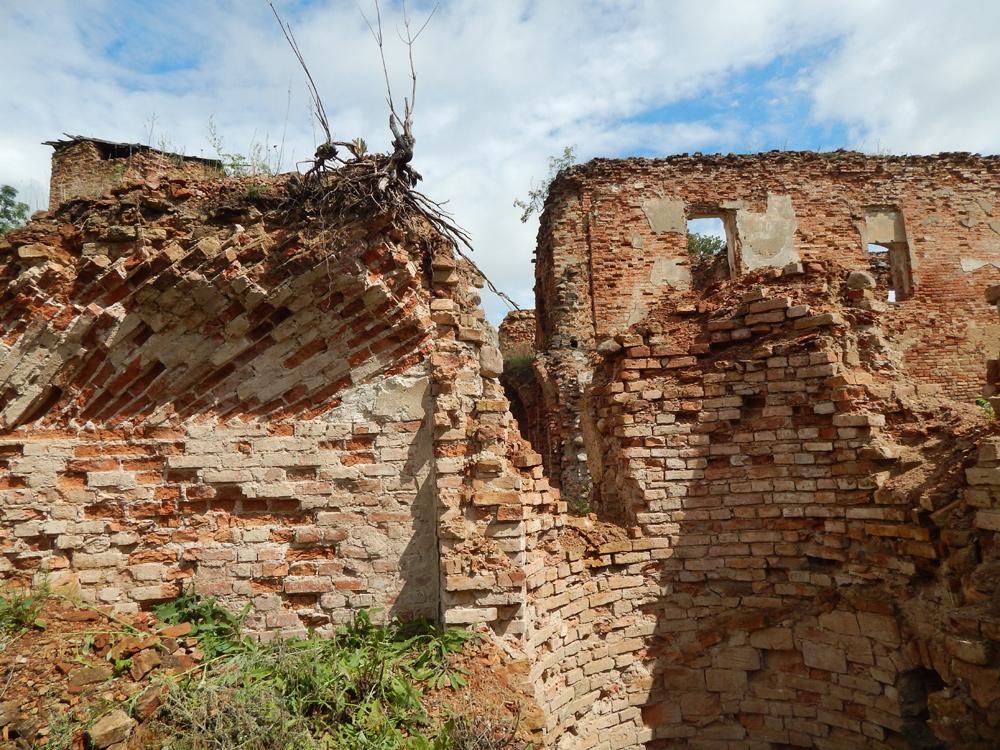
x,y
503,84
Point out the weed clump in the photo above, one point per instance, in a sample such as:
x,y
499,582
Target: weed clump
x,y
360,688
218,630
19,609
987,407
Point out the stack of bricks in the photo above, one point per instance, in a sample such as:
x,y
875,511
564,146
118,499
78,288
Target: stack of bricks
x,y
517,334
956,628
992,388
494,500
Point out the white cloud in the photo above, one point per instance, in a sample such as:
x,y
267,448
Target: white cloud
x,y
916,77
502,85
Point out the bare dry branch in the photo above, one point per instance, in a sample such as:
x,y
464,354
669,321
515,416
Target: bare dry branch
x,y
369,184
311,84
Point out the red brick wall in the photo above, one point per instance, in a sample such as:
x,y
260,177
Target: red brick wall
x,y
245,405
517,334
785,544
235,405
597,248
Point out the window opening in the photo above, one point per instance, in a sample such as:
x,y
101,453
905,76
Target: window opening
x,y
710,249
888,252
880,265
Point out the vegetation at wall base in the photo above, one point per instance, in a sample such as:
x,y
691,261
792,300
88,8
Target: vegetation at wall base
x,y
366,685
362,687
20,609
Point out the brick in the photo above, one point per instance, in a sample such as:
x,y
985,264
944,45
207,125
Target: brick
x,y
824,656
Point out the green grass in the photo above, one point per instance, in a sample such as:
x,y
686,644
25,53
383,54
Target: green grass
x,y
360,688
256,190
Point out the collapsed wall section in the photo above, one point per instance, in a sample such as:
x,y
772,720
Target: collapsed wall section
x,y
803,543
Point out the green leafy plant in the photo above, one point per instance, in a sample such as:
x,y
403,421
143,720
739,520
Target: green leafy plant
x,y
705,245
537,194
218,630
13,213
432,646
257,160
987,407
256,190
62,732
20,609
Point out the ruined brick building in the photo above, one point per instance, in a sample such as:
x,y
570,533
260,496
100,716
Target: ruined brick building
x,y
795,499
89,167
613,247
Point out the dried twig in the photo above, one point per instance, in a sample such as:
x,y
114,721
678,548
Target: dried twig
x,y
318,108
403,140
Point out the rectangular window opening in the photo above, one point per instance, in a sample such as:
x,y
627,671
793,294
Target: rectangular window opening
x,y
710,247
880,265
888,252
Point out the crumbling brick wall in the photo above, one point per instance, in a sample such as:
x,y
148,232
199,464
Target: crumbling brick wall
x,y
200,386
517,334
612,244
88,168
230,401
794,542
786,532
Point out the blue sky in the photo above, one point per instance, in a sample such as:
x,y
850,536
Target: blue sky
x,y
504,85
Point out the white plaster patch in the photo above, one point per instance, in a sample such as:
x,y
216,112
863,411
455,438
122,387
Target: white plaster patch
x,y
665,215
670,271
768,239
971,264
400,397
